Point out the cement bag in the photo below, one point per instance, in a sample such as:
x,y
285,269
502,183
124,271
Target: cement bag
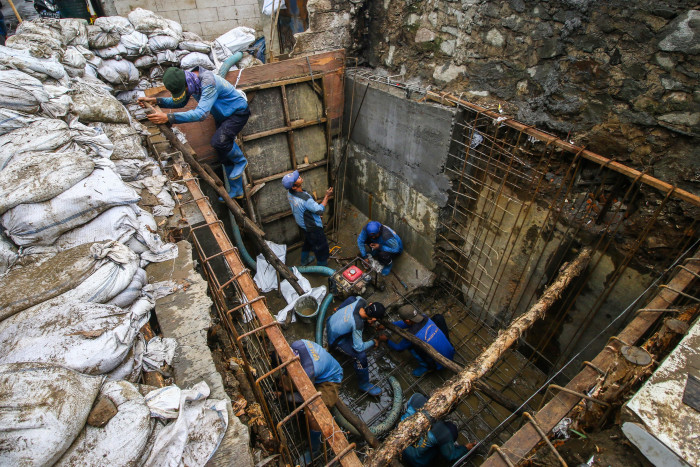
x,y
195,59
159,43
74,31
93,104
195,46
193,438
135,43
23,61
130,369
8,255
117,24
118,223
36,283
43,409
111,52
43,223
121,73
42,134
167,57
237,39
21,92
132,292
98,38
40,176
89,338
127,141
146,21
122,440
145,61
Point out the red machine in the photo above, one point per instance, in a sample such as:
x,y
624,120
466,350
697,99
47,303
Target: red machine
x,y
352,274
352,279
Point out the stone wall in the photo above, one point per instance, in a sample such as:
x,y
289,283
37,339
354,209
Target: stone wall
x,y
207,18
333,24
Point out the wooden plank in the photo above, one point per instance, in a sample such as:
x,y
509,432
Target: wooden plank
x,y
291,126
288,123
306,389
300,168
522,441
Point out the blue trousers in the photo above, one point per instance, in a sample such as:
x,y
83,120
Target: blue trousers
x,y
316,241
344,346
425,360
226,132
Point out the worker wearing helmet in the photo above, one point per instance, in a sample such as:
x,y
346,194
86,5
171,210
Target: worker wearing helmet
x,y
215,96
307,214
383,243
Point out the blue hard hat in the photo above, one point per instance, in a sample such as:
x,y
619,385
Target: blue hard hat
x,y
290,179
373,227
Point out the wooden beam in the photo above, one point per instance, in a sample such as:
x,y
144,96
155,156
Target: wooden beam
x,y
522,441
300,168
445,398
290,126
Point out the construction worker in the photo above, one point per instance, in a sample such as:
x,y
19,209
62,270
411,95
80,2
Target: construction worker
x,y
307,214
215,96
384,245
440,441
344,330
434,332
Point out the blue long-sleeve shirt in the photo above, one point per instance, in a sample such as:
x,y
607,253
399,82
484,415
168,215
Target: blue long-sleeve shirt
x,y
388,241
347,320
307,212
438,440
217,97
318,364
428,332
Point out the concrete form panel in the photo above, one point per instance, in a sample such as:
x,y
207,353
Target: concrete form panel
x,y
271,199
268,156
284,230
311,143
265,112
304,103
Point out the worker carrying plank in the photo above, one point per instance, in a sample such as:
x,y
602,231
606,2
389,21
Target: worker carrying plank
x,y
433,331
384,245
215,96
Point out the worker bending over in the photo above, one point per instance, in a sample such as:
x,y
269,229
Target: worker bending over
x,y
215,96
344,330
425,329
307,214
439,442
384,245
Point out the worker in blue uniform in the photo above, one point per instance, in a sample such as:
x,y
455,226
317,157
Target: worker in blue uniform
x,y
344,330
431,331
307,214
383,243
437,446
215,96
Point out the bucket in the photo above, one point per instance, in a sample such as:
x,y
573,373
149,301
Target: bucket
x,y
306,309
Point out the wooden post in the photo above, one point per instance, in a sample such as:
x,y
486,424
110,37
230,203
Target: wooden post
x,y
445,398
213,180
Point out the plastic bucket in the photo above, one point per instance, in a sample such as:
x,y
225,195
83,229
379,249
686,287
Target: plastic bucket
x,y
306,309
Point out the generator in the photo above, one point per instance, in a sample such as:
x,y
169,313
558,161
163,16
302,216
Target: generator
x,y
352,279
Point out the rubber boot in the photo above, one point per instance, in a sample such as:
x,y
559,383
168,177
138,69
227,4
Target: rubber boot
x,y
387,269
306,258
420,370
315,441
236,191
365,385
322,263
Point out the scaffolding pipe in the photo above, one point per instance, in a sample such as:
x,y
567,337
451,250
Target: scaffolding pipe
x,y
446,397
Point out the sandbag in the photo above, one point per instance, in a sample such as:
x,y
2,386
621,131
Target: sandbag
x,y
156,250
12,120
237,39
42,223
159,43
43,134
21,92
131,367
23,61
38,46
196,59
132,292
93,104
146,21
89,56
135,43
40,176
127,141
39,282
117,24
111,52
120,73
92,139
121,441
167,57
43,408
145,61
118,223
98,38
73,58
195,46
74,31
90,338
8,254
47,27
129,97
195,435
133,169
156,72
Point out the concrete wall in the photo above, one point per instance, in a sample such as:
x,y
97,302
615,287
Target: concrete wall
x,y
208,18
396,164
